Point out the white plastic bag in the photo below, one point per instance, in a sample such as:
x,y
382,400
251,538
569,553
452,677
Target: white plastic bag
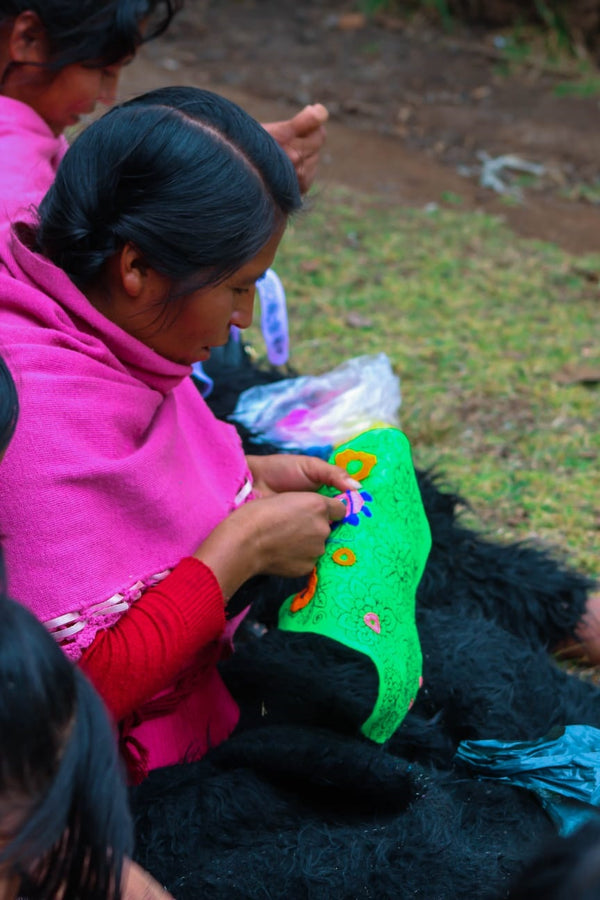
x,y
313,413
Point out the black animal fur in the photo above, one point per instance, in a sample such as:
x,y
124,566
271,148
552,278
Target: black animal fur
x,y
297,804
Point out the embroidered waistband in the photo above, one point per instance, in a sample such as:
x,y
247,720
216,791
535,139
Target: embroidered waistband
x,y
243,493
69,624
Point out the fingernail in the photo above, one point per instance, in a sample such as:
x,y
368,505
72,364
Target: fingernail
x,y
356,485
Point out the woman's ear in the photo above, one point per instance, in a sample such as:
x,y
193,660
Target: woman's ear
x,y
28,43
141,283
133,271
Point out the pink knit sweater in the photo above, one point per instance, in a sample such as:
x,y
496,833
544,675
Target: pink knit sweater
x,y
29,158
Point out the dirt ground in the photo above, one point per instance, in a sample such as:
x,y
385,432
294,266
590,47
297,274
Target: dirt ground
x,y
411,106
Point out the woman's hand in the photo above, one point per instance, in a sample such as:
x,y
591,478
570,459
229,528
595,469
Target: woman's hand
x,y
284,472
283,534
302,138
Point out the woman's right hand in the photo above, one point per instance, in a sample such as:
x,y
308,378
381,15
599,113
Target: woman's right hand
x,y
279,535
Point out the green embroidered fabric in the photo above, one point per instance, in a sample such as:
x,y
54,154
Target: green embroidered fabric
x,y
362,590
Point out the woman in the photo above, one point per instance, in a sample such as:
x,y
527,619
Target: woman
x,y
175,215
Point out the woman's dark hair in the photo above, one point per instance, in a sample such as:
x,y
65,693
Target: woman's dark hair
x,y
9,406
63,805
186,176
94,32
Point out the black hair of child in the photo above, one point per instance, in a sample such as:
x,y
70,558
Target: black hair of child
x,y
63,804
94,32
184,175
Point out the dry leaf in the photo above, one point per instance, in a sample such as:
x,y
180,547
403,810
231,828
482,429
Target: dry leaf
x,y
351,21
310,265
574,373
355,320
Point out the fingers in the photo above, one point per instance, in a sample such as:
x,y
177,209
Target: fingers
x,y
283,534
302,138
139,885
304,124
318,472
309,119
336,510
337,477
294,528
285,472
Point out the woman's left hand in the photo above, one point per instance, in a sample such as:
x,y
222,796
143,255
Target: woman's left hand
x,y
285,472
302,139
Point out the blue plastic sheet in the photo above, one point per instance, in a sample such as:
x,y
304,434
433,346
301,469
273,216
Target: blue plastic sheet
x,y
562,769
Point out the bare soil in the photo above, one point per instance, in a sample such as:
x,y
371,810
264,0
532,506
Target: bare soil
x,y
411,106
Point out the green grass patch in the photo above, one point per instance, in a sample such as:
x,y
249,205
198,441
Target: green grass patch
x,y
477,322
586,86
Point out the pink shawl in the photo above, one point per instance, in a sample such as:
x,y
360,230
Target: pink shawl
x,y
30,155
117,469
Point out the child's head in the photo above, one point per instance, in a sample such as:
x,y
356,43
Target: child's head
x,y
165,212
64,823
62,57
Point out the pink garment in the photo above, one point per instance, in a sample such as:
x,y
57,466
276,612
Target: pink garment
x,y
200,715
30,155
117,469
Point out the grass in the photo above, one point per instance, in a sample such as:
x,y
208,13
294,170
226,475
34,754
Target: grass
x,y
588,85
477,322
582,191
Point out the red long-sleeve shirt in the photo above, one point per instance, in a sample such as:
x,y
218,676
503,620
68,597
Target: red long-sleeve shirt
x,y
156,638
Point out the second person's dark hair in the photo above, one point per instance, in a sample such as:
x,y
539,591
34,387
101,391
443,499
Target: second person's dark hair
x,y
186,176
59,770
99,32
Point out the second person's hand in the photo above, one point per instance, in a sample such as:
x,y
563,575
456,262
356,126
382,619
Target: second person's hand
x,y
302,139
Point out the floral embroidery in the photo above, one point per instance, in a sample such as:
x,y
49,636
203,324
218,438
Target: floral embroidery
x,y
344,556
304,597
348,458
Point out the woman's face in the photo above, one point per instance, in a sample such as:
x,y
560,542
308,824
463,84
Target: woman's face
x,y
60,97
73,92
197,321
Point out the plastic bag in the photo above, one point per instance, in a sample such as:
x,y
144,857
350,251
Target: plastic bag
x,y
563,769
313,413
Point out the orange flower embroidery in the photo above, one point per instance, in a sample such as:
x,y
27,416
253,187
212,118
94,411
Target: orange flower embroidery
x,y
366,462
344,557
304,597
